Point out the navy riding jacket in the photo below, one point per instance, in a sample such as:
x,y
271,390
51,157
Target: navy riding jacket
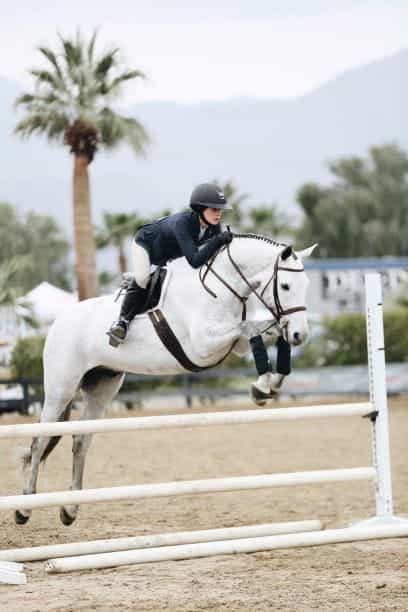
x,y
177,235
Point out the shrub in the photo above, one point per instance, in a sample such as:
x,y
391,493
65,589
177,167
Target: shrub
x,y
26,357
343,340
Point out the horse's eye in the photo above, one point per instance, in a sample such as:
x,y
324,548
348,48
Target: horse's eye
x,y
285,286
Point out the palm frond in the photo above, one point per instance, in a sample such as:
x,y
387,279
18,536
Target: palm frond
x,y
105,64
51,57
51,124
72,52
24,99
45,77
125,76
91,46
135,134
117,227
56,127
41,103
115,128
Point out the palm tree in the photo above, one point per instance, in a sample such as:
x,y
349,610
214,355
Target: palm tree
x,y
70,105
269,220
118,227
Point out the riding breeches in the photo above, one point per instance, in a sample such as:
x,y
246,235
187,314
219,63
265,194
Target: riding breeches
x,y
141,264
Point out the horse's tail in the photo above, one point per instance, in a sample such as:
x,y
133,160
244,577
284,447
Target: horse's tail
x,y
64,416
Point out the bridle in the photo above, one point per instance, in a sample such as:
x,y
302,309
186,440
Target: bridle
x,y
276,309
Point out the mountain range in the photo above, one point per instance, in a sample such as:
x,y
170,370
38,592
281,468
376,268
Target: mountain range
x,y
268,148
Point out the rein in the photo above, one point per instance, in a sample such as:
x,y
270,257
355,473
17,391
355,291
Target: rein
x,y
202,275
276,310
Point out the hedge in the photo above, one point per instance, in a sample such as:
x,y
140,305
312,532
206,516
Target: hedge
x,y
343,340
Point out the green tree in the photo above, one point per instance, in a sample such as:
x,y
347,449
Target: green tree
x,y
342,340
36,241
9,272
364,212
70,105
10,292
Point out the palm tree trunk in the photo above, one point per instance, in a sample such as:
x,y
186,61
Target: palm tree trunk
x,y
83,231
122,258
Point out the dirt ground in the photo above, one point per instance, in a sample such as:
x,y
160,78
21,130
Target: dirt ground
x,y
370,576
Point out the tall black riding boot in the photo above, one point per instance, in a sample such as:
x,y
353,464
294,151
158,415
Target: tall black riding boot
x,y
133,303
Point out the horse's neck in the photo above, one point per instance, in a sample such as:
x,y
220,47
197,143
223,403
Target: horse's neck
x,y
186,294
251,255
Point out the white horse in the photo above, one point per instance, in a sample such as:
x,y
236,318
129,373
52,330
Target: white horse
x,y
206,316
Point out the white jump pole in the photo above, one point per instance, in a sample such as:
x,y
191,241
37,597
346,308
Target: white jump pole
x,y
248,545
12,573
51,551
378,398
234,417
186,487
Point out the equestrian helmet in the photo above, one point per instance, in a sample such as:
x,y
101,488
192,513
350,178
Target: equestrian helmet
x,y
208,195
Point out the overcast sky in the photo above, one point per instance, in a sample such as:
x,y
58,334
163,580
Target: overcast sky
x,y
230,48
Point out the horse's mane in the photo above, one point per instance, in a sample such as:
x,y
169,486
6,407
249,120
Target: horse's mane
x,y
259,237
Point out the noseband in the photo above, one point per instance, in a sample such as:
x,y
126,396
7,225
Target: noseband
x,y
276,310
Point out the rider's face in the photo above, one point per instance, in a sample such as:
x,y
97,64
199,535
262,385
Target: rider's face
x,y
212,216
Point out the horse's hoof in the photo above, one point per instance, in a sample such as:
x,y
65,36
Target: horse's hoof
x,y
66,518
260,397
19,518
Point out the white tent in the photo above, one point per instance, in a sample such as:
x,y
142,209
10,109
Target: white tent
x,y
47,301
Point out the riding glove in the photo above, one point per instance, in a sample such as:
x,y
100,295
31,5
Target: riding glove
x,y
225,237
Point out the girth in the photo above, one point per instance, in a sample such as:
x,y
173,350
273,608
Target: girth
x,y
170,341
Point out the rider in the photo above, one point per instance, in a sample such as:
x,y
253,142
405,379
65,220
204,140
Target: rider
x,y
196,234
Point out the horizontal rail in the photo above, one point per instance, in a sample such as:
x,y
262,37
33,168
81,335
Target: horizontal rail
x,y
246,545
235,417
39,553
12,573
262,481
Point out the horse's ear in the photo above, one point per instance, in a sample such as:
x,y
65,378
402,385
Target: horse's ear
x,y
306,252
286,253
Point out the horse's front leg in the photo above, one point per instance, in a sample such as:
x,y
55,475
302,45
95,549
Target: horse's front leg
x,y
268,384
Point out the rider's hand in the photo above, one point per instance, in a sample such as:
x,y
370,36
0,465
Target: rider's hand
x,y
225,237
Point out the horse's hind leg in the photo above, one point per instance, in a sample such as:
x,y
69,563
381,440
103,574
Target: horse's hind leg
x,y
98,390
56,410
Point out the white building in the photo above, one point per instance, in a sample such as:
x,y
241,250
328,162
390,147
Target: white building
x,y
337,285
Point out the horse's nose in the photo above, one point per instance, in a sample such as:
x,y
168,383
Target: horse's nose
x,y
297,338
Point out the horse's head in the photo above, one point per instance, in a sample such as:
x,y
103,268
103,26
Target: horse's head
x,y
285,294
